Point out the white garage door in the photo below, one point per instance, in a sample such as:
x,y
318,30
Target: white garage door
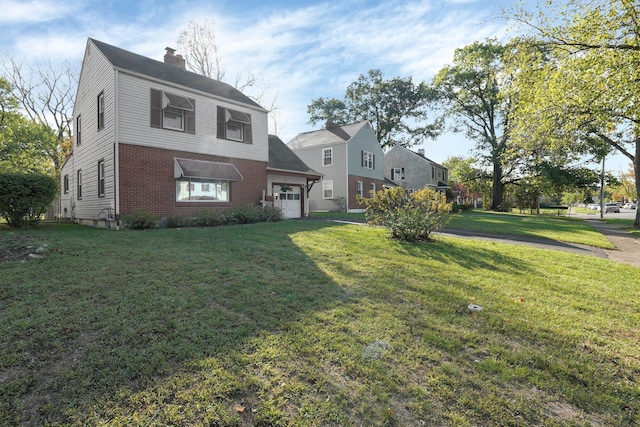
x,y
289,202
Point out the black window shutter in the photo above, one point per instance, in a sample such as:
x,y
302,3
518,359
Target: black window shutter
x,y
190,118
402,173
248,136
156,108
393,174
221,123
362,158
374,161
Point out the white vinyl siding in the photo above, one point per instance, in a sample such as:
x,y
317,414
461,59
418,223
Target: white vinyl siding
x,y
96,145
134,128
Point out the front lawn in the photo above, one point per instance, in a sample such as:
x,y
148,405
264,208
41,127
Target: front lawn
x,y
306,323
563,228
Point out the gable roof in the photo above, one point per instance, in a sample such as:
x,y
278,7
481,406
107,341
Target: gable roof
x,y
139,64
422,156
332,135
282,158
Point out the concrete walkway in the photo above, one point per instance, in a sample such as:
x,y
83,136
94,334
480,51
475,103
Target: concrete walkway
x,y
627,245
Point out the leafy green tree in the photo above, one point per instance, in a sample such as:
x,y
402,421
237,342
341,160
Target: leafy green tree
x,y
25,145
25,197
397,109
587,94
475,92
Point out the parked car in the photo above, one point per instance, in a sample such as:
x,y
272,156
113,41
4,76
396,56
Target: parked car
x,y
611,207
633,206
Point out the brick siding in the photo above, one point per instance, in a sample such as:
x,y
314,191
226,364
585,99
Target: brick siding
x,y
366,186
147,182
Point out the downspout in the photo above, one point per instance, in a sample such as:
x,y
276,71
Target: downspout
x,y
116,154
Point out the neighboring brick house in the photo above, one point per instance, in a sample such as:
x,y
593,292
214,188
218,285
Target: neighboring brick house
x,y
413,170
153,136
350,159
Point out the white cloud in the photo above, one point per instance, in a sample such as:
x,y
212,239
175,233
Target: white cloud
x,y
20,11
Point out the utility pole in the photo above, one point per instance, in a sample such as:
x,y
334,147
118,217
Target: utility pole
x,y
602,188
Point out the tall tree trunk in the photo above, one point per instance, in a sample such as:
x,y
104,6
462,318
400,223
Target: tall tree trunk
x,y
498,187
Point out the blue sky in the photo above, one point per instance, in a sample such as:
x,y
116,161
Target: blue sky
x,y
298,50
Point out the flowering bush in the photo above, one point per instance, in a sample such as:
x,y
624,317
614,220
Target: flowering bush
x,y
409,216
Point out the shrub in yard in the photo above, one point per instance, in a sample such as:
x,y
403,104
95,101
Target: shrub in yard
x,y
178,221
210,218
270,214
245,214
140,220
409,216
25,197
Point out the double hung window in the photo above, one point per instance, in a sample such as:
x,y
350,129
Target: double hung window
x,y
327,189
101,110
173,112
79,184
327,157
101,178
368,160
234,125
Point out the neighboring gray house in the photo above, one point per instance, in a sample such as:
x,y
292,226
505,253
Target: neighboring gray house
x,y
413,170
350,159
289,180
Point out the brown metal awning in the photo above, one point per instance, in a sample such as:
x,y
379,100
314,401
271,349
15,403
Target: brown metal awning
x,y
237,116
177,101
186,168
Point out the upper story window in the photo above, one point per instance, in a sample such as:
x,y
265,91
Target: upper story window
x,y
79,130
433,172
327,157
234,125
368,160
173,112
65,184
397,173
101,110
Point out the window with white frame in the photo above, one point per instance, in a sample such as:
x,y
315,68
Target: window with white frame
x,y
359,189
79,184
65,184
327,157
101,178
433,172
79,130
373,187
397,173
368,160
327,189
202,190
100,110
172,111
234,125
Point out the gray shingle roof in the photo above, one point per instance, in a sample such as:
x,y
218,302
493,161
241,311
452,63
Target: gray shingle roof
x,y
333,135
139,64
282,158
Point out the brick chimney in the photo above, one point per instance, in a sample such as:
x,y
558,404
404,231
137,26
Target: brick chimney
x,y
421,151
172,59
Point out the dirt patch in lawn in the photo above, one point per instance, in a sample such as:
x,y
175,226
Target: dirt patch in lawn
x,y
18,246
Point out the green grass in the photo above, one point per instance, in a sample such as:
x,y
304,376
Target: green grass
x,y
626,224
305,323
563,228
